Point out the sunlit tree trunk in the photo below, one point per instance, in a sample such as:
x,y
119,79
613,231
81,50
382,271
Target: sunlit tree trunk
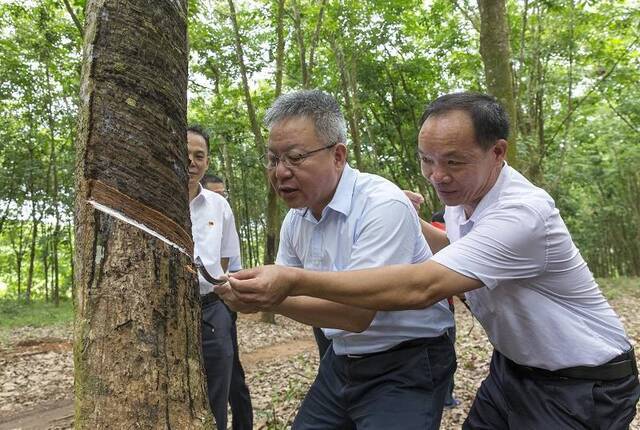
x,y
496,57
137,352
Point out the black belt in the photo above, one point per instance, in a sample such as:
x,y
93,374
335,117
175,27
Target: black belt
x,y
411,343
621,366
208,299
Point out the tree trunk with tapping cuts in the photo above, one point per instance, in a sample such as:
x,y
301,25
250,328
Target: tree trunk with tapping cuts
x,y
137,330
496,57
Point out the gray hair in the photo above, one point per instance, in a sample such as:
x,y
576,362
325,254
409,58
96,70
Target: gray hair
x,y
316,105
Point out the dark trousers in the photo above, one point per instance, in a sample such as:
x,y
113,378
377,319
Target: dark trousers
x,y
449,400
239,397
402,388
217,353
321,340
511,399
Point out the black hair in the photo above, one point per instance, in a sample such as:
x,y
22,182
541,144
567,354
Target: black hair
x,y
211,179
490,120
198,129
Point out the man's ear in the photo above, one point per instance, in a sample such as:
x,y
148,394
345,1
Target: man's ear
x,y
340,154
500,149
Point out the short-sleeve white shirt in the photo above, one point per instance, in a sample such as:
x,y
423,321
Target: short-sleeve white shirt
x,y
214,233
540,305
368,223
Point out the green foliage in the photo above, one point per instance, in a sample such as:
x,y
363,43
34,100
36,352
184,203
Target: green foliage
x,y
576,66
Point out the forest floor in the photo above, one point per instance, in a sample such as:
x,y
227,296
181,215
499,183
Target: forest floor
x,y
36,368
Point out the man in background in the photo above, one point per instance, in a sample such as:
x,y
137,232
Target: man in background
x,y
239,396
215,241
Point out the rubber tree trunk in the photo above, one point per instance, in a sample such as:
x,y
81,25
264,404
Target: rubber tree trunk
x,y
496,57
137,330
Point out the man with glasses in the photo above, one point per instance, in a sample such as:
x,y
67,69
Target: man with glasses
x,y
384,370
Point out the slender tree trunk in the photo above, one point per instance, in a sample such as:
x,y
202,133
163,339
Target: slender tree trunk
x,y
137,353
246,227
496,57
32,254
273,213
35,220
350,109
227,164
315,39
71,264
273,209
52,178
272,224
279,47
306,65
17,245
302,53
45,262
56,261
8,199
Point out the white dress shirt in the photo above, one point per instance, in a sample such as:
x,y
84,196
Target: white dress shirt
x,y
214,233
368,223
540,305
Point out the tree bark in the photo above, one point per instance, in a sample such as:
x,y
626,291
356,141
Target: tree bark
x,y
137,330
496,57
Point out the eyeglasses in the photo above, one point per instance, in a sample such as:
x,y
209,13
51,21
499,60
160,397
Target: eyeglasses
x,y
290,159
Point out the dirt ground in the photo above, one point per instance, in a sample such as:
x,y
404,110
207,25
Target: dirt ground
x,y
36,370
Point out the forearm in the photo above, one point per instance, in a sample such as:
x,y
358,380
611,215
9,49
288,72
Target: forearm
x,y
323,313
399,287
436,238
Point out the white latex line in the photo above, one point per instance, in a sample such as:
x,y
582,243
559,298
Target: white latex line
x,y
122,217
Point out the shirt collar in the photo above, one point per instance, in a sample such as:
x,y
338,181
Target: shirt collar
x,y
198,197
342,198
493,194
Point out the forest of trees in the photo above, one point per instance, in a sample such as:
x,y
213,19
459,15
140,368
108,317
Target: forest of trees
x,y
567,70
